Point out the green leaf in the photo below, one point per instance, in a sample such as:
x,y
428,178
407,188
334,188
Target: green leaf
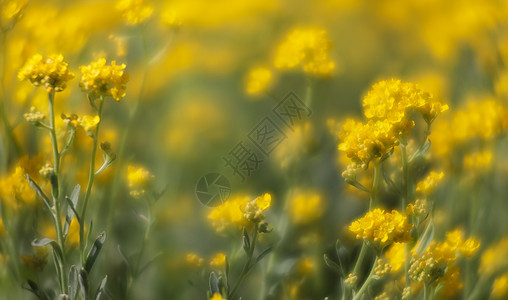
x,y
213,283
125,259
72,203
73,283
57,251
226,267
332,265
83,283
34,289
101,289
94,251
39,192
263,254
425,239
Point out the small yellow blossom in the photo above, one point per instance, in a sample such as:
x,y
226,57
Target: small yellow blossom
x,y
89,123
218,261
139,180
216,296
254,208
351,280
15,189
98,79
308,49
305,207
382,267
479,161
395,256
34,116
382,228
490,261
429,184
52,72
500,287
305,266
134,11
194,260
47,170
258,80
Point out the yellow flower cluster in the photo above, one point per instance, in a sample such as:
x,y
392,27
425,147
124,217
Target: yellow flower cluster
x,y
305,207
218,261
139,180
134,11
98,79
388,107
15,189
428,185
478,120
306,48
258,80
500,287
239,211
194,260
52,72
479,161
437,261
382,228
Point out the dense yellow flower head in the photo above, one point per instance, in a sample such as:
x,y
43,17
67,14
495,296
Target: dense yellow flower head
x,y
308,49
89,123
305,207
218,261
139,179
98,79
253,211
382,228
52,72
258,80
134,11
363,142
428,185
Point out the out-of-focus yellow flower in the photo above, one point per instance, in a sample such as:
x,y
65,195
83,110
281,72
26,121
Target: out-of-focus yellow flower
x,y
172,18
500,287
10,12
134,11
89,123
395,256
98,79
36,261
2,228
308,49
52,72
491,261
305,266
479,161
429,184
194,260
456,242
382,228
139,180
218,261
15,189
305,207
258,80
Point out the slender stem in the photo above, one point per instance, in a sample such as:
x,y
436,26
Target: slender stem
x,y
367,281
247,266
405,200
55,192
91,177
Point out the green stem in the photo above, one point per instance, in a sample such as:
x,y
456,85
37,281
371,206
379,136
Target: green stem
x,y
55,192
405,200
367,281
247,266
91,177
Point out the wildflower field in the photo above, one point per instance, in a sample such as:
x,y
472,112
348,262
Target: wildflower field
x,y
267,150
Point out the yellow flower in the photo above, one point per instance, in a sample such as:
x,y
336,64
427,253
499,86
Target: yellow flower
x,y
305,266
500,287
229,213
308,49
15,189
479,161
134,11
429,184
218,261
98,79
194,260
253,210
38,260
490,261
382,228
89,123
139,180
52,72
395,256
2,228
264,202
216,296
258,80
305,207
